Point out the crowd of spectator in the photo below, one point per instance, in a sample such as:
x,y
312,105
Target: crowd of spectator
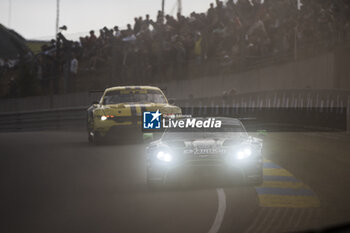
x,y
229,32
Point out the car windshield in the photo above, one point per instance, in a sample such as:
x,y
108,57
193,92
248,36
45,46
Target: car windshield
x,y
134,96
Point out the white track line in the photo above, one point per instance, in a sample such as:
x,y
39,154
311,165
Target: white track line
x,y
221,211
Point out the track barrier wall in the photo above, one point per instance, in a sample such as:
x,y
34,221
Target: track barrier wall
x,y
304,109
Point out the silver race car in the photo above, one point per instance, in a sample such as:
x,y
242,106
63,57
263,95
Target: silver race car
x,y
228,154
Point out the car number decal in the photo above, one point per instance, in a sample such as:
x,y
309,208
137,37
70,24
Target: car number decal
x,y
208,151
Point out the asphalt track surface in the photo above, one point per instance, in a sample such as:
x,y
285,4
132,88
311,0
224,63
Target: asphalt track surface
x,y
57,182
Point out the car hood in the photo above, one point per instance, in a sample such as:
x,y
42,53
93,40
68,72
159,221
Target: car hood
x,y
140,107
128,105
207,143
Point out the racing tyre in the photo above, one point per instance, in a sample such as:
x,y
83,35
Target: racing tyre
x,y
94,139
90,138
97,139
256,181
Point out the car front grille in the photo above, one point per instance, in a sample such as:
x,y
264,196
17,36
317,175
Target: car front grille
x,y
122,119
204,162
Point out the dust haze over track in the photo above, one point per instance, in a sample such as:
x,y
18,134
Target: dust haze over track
x,y
57,182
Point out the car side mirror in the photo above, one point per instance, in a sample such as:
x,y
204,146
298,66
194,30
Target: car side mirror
x,y
171,101
95,102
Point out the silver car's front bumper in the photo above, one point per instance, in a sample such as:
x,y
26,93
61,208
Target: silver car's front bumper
x,y
205,171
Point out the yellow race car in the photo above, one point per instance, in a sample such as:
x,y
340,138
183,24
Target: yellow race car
x,y
117,115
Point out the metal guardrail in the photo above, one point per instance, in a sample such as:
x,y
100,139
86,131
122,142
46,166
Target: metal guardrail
x,y
65,118
326,101
307,110
278,99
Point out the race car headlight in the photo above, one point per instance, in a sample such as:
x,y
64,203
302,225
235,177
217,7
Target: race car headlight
x,y
243,153
108,117
164,156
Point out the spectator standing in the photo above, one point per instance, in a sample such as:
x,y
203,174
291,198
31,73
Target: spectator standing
x,y
198,48
137,25
74,66
117,32
146,23
92,39
211,13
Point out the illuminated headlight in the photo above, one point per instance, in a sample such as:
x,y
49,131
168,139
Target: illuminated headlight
x,y
108,117
244,153
164,156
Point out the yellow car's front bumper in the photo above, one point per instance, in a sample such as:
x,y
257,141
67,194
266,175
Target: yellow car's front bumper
x,y
110,126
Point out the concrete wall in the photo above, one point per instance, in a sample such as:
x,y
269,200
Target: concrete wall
x,y
316,73
342,68
48,102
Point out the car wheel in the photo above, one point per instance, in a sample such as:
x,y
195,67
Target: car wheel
x,y
256,181
94,138
90,138
97,138
90,127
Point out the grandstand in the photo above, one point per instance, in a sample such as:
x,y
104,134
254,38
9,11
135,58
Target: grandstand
x,y
231,37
